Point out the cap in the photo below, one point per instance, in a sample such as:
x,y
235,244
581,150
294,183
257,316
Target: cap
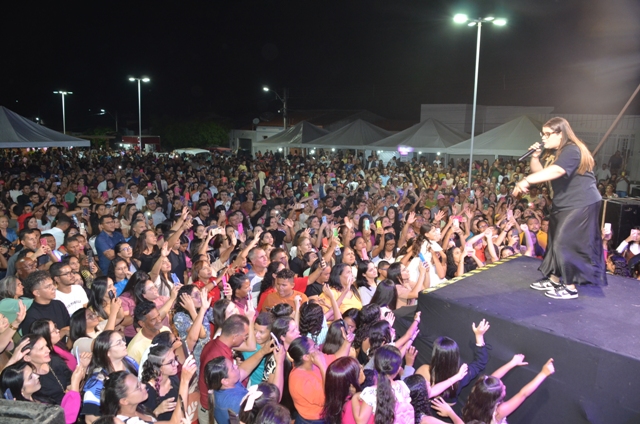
x,y
440,196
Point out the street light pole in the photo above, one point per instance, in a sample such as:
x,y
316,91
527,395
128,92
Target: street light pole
x,y
64,117
285,92
104,112
460,18
143,79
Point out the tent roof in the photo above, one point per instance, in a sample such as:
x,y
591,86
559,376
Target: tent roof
x,y
357,134
510,139
17,131
430,134
302,132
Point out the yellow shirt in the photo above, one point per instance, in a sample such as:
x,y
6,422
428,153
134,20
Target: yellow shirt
x,y
349,301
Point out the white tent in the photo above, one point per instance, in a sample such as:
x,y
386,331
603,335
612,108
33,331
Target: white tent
x,y
429,136
301,133
19,132
510,139
358,134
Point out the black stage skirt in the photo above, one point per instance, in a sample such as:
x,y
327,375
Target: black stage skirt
x,y
574,248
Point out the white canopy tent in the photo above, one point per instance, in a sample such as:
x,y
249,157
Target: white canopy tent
x,y
301,133
358,135
19,132
429,136
510,139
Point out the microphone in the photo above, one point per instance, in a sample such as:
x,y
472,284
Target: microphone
x,y
529,153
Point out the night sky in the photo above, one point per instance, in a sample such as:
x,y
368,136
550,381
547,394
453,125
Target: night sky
x,y
212,58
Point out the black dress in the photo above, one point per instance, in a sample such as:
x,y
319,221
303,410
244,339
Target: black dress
x,y
54,383
574,249
154,400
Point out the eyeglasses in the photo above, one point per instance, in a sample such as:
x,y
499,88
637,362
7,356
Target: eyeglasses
x,y
119,342
547,134
174,361
64,274
126,248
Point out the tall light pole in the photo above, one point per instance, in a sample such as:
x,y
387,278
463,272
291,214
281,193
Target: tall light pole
x,y
64,117
143,79
105,112
283,99
462,19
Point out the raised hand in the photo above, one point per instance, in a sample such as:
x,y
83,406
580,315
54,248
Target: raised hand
x,y
482,327
410,356
518,360
548,368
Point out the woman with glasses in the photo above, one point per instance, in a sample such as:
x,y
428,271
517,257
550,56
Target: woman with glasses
x,y
574,251
109,355
160,375
125,251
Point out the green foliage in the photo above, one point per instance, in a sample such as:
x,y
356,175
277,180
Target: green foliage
x,y
101,142
177,133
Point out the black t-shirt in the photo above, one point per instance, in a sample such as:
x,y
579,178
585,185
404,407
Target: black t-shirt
x,y
298,266
278,237
314,289
148,261
154,400
572,190
55,382
55,311
178,264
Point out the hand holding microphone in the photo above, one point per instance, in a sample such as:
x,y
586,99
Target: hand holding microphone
x,y
535,150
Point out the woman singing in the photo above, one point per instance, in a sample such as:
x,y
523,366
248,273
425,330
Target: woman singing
x,y
574,251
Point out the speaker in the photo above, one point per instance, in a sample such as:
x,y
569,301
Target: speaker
x,y
18,412
623,215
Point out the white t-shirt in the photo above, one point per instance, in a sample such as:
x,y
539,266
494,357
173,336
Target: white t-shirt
x,y
74,300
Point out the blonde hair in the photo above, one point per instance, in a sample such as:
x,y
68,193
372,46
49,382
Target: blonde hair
x,y
561,126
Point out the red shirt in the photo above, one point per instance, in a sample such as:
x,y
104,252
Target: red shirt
x,y
212,350
214,294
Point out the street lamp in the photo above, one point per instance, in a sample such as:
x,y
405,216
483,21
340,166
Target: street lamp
x,y
143,79
284,103
64,118
462,19
104,112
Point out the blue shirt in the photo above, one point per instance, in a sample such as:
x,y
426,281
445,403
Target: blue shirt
x,y
106,242
120,285
228,399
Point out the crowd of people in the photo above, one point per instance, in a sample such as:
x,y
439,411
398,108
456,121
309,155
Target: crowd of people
x,y
265,285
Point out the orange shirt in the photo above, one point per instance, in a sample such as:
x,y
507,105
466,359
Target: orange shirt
x,y
274,298
299,284
307,390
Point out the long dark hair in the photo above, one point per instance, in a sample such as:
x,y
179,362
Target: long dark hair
x,y
298,348
153,364
340,376
78,325
12,379
334,339
385,295
270,394
311,320
379,335
483,400
41,328
445,362
387,361
394,273
268,280
187,289
417,385
369,315
113,390
97,294
273,413
361,279
100,354
334,279
235,282
214,372
133,281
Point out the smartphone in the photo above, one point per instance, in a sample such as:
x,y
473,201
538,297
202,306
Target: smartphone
x,y
509,214
53,201
367,225
378,224
43,241
363,254
607,228
456,223
240,228
76,353
85,211
422,258
185,349
111,295
315,203
324,219
264,202
149,185
335,232
82,227
325,243
275,341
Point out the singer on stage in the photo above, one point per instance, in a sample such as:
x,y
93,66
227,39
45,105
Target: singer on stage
x,y
574,252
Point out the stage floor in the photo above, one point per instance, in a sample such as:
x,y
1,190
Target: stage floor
x,y
607,317
594,340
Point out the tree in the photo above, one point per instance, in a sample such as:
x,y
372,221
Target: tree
x,y
177,133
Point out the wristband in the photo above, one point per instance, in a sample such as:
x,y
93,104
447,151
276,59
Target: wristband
x,y
14,328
